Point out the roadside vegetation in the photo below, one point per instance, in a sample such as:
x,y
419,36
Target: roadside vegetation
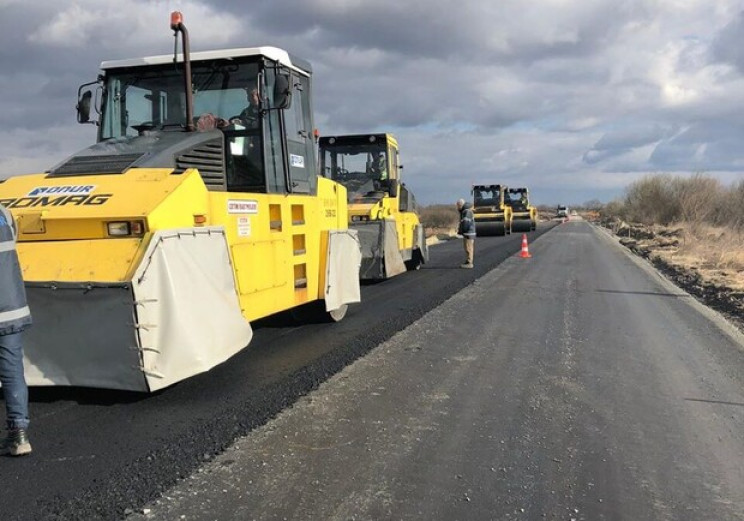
x,y
439,219
695,201
699,221
692,228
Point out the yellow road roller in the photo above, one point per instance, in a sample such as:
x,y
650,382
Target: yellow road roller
x,y
524,215
147,255
491,213
382,209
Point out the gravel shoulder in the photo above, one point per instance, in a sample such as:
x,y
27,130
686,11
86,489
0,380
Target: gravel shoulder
x,y
711,270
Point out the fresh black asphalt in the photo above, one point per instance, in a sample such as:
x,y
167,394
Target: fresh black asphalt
x,y
102,454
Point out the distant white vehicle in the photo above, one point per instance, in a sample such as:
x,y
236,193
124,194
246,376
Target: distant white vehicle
x,y
562,211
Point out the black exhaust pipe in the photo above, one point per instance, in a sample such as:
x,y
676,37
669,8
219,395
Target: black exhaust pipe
x,y
177,25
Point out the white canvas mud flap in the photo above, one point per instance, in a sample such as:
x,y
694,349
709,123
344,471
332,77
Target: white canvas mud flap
x,y
420,243
394,264
188,314
342,269
381,257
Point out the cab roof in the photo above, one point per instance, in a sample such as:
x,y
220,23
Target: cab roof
x,y
272,53
359,139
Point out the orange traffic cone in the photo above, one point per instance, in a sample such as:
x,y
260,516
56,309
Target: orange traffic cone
x,y
525,250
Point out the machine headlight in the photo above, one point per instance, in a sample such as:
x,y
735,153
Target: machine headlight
x,y
126,228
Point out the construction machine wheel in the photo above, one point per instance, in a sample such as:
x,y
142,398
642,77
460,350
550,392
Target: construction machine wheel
x,y
488,228
336,315
415,262
505,229
522,226
413,265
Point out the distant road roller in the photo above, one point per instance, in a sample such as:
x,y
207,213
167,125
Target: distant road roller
x,y
147,255
492,215
381,208
524,215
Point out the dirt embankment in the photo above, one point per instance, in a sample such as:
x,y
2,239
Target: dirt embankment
x,y
706,262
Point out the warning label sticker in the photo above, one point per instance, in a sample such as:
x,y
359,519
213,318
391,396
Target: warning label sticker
x,y
239,206
244,226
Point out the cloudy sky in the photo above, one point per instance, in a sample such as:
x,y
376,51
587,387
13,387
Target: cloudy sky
x,y
572,98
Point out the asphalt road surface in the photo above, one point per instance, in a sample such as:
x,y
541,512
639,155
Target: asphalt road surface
x,y
100,454
574,385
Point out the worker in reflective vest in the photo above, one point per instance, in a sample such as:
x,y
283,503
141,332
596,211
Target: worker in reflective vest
x,y
14,318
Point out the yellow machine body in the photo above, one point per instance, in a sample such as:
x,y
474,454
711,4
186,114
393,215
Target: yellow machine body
x,y
274,241
277,247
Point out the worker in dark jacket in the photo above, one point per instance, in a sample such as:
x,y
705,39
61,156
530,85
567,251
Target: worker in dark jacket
x,y
467,230
14,318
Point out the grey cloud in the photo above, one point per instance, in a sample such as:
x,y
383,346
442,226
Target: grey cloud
x,y
631,137
708,146
626,137
468,30
727,45
567,97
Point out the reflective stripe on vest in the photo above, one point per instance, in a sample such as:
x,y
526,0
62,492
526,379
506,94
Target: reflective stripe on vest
x,y
15,314
7,246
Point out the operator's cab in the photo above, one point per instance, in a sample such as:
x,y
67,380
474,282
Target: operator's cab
x,y
144,115
367,165
490,195
517,198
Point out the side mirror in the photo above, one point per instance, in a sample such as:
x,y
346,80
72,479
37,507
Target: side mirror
x,y
83,107
393,187
282,92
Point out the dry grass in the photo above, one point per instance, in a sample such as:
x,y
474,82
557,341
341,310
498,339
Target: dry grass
x,y
439,216
442,233
716,253
704,218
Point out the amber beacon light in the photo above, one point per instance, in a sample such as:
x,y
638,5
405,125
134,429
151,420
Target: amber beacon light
x,y
176,19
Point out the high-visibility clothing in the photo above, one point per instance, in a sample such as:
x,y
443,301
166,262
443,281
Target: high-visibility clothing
x,y
14,313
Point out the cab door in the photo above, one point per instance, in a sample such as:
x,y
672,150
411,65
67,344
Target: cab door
x,y
299,132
